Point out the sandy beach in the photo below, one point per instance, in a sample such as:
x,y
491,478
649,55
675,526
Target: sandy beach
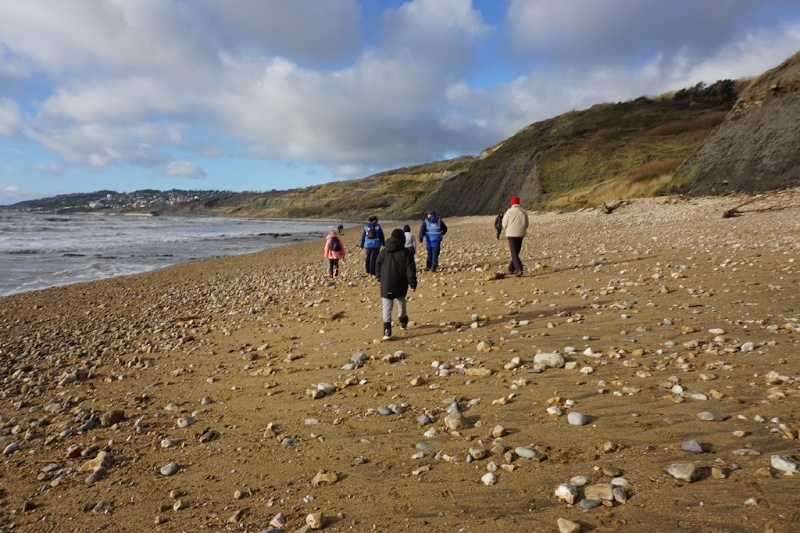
x,y
642,375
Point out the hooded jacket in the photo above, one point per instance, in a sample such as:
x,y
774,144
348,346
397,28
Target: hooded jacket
x,y
332,254
395,268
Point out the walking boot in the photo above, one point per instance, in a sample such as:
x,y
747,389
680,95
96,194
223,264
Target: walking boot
x,y
387,331
403,322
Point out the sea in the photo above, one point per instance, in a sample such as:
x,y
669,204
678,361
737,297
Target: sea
x,y
46,250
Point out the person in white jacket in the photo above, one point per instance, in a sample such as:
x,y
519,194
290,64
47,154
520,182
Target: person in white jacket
x,y
411,242
515,224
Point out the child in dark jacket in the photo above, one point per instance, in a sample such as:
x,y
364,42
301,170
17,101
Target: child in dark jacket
x,y
396,272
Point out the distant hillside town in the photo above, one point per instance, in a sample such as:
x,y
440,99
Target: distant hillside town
x,y
137,201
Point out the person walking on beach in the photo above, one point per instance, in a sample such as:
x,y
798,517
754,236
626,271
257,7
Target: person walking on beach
x,y
341,229
334,250
411,242
432,231
371,240
515,224
498,224
396,273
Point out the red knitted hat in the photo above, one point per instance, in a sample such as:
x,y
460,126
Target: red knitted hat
x,y
514,200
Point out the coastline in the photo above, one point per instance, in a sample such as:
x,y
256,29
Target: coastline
x,y
641,295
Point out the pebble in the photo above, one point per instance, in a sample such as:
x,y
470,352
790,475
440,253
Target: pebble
x,y
712,417
682,471
170,469
579,481
525,452
746,451
455,421
551,359
11,448
186,421
424,420
567,493
98,474
599,491
590,504
489,478
102,460
621,482
278,521
577,419
315,520
784,464
171,443
325,477
568,526
692,446
477,453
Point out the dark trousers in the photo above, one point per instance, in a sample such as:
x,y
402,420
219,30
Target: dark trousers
x,y
372,260
333,267
515,245
432,261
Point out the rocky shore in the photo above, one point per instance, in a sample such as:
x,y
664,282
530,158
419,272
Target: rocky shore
x,y
642,375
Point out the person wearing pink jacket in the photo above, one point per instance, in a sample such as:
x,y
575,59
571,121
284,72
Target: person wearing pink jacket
x,y
334,250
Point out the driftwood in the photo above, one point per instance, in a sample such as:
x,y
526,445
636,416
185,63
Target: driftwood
x,y
784,199
735,211
609,207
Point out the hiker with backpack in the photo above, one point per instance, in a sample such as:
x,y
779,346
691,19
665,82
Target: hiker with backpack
x,y
396,272
432,231
334,250
371,240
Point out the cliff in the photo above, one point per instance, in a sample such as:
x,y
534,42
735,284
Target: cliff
x,y
757,147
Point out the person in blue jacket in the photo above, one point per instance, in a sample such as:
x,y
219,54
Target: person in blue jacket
x,y
432,231
371,240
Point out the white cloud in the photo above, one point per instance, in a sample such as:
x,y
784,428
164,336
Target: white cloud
x,y
11,188
119,99
184,169
100,144
614,31
11,67
10,117
67,37
384,108
47,169
309,31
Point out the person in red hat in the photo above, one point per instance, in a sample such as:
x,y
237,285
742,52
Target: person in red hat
x,y
515,224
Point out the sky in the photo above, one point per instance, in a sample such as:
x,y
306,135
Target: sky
x,y
255,95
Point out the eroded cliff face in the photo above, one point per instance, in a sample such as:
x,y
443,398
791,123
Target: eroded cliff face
x,y
757,147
